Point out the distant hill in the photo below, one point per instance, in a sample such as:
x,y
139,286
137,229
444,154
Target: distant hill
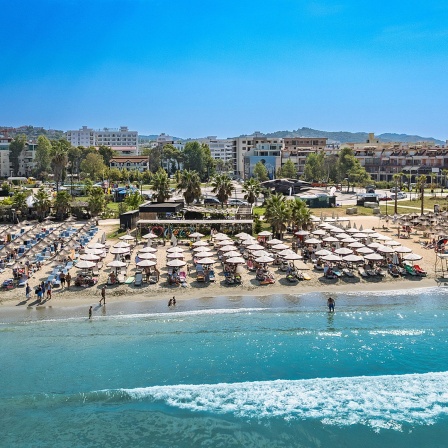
x,y
345,136
32,132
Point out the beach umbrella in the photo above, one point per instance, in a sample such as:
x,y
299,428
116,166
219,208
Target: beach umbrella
x,y
312,241
127,238
176,263
337,230
207,261
256,247
385,249
200,243
243,235
175,249
203,254
221,236
373,245
173,255
302,233
352,230
265,233
359,235
319,232
95,246
274,241
227,248
349,240
149,235
147,249
402,250
89,257
264,259
116,264
355,245
412,257
342,236
202,249
232,253
322,252
195,235
146,263
292,256
352,258
332,257
224,242
249,241
260,253
383,237
94,251
391,243
147,256
285,252
236,260
343,251
330,239
85,264
364,250
280,246
121,245
374,257
119,250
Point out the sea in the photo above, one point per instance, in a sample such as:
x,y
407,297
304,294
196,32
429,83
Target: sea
x,y
271,371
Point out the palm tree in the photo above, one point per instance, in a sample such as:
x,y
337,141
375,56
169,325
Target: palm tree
x,y
42,203
59,161
252,188
133,200
19,201
222,187
277,213
396,178
190,182
161,185
445,174
62,203
96,201
421,188
300,213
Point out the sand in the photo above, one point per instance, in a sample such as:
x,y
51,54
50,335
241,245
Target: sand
x,y
75,296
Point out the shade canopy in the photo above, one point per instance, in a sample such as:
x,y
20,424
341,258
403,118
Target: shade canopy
x,y
95,246
227,248
265,233
89,257
119,250
150,235
343,251
200,243
373,257
175,249
85,264
195,235
146,263
176,263
121,245
236,260
175,255
280,246
352,258
274,241
292,256
206,261
255,247
127,238
412,257
147,249
147,256
332,257
264,259
203,254
116,264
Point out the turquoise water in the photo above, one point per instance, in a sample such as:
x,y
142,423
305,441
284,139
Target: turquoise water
x,y
274,371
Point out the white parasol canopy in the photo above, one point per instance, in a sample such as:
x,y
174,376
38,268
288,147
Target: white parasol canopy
x,y
265,233
85,264
175,249
195,235
373,257
343,251
352,258
280,246
146,263
175,255
121,245
264,259
227,248
119,250
312,241
233,253
402,250
302,233
147,249
274,241
116,264
95,246
176,263
236,260
207,261
364,250
150,235
332,257
292,256
412,257
255,247
200,243
322,252
89,257
203,254
147,256
127,238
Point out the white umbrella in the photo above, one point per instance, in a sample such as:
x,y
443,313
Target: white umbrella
x,y
274,241
207,261
89,257
175,249
84,264
264,259
260,253
312,241
150,235
302,233
412,257
233,253
94,251
176,263
127,238
402,250
373,257
332,257
249,241
122,245
349,240
319,232
322,252
195,235
356,245
146,263
200,243
174,255
202,249
95,246
343,251
374,245
203,254
227,248
224,242
383,237
116,264
119,250
352,258
221,236
236,260
284,252
352,230
391,243
330,239
243,235
265,233
255,247
337,230
280,246
147,249
385,249
360,235
292,256
147,256
343,236
364,250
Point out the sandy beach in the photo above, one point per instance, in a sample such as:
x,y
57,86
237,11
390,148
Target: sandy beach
x,y
162,292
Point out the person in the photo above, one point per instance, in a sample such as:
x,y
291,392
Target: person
x,y
39,293
174,301
330,303
170,302
103,295
68,279
49,290
62,279
27,291
90,313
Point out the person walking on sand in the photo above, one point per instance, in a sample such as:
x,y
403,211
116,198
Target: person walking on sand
x,y
68,279
27,291
49,290
174,301
103,295
330,303
90,313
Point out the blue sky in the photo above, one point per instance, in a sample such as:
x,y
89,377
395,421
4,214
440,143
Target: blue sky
x,y
194,68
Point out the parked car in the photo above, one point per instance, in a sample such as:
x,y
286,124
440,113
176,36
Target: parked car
x,y
400,195
385,197
212,201
235,201
395,190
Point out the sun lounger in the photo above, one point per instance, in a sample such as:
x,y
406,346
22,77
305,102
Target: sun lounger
x,y
182,277
211,276
362,272
138,278
419,270
410,270
200,276
121,278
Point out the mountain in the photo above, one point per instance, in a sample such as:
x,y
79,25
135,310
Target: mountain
x,y
354,137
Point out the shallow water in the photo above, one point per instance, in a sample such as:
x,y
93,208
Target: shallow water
x,y
272,371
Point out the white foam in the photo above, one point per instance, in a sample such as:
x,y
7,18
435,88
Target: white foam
x,y
377,401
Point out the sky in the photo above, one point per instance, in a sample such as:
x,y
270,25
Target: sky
x,y
197,68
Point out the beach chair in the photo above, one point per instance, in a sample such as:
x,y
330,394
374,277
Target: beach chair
x,y
419,270
23,280
211,275
200,276
183,277
410,270
362,272
138,278
121,278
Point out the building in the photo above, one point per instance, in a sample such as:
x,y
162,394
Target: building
x,y
122,140
223,149
26,158
139,163
5,168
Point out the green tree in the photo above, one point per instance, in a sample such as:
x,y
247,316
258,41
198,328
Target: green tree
x,y
43,154
314,167
16,147
154,157
261,172
93,166
75,157
107,153
277,213
96,201
421,183
161,185
220,165
171,154
252,190
194,158
190,184
349,168
114,174
62,204
133,200
300,214
59,160
222,187
42,203
289,170
19,201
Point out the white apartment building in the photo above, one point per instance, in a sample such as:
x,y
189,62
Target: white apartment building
x,y
122,140
222,149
